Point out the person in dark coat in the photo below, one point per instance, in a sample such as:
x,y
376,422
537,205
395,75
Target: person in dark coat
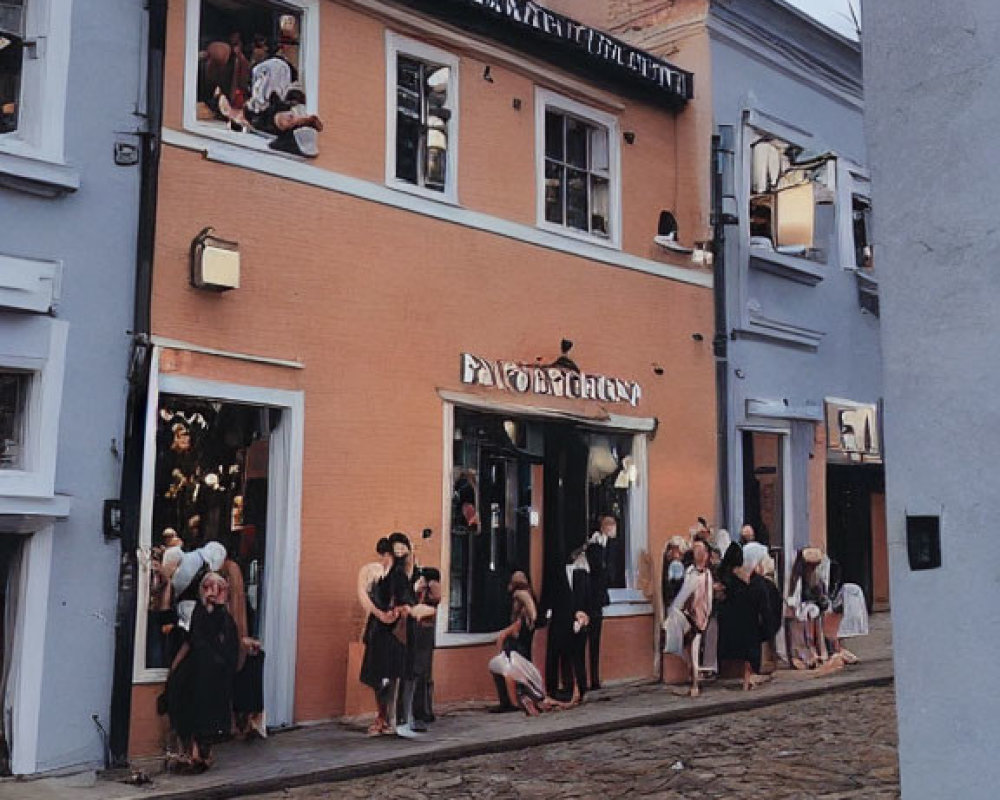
x,y
200,684
403,598
597,562
564,657
741,615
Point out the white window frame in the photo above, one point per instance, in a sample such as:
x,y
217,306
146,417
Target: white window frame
x,y
544,99
308,73
38,143
396,45
46,362
284,513
853,180
624,602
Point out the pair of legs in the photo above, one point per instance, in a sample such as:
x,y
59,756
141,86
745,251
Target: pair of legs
x,y
565,662
695,654
594,648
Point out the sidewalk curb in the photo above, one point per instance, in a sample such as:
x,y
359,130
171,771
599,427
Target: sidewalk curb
x,y
883,677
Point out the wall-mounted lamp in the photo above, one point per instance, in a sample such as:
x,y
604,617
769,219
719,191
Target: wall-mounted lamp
x,y
657,369
215,262
629,137
487,74
516,103
697,337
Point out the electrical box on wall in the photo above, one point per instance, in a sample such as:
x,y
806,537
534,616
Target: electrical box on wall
x,y
923,542
215,263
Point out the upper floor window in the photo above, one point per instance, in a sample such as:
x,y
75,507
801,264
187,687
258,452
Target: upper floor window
x,y
34,68
579,175
861,226
792,199
253,72
11,62
422,118
14,392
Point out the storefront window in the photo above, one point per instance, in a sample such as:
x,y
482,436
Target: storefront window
x,y
211,484
526,493
14,388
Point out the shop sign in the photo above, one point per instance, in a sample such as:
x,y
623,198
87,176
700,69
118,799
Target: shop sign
x,y
606,49
510,376
852,433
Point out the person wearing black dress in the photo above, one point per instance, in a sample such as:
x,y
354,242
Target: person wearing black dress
x,y
379,667
597,562
403,598
741,617
200,684
517,637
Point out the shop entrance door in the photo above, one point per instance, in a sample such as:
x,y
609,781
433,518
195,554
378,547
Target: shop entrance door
x,y
849,491
566,528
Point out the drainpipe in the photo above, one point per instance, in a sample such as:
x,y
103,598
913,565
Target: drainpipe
x,y
138,380
721,153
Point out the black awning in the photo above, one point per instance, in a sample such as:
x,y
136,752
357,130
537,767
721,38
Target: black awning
x,y
527,26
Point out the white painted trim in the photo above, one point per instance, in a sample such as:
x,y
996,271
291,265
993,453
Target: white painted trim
x,y
140,674
395,44
618,422
30,284
41,127
41,440
544,98
615,610
308,74
177,344
280,624
638,516
852,179
296,170
32,621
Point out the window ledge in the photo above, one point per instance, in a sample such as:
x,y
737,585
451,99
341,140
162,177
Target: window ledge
x,y
763,327
448,196
248,140
38,176
793,268
29,284
29,514
628,610
571,233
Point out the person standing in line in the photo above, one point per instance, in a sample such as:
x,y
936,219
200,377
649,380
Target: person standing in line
x,y
428,591
565,657
403,599
597,562
379,667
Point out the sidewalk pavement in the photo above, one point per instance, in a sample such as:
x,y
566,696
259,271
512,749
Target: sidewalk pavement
x,y
340,750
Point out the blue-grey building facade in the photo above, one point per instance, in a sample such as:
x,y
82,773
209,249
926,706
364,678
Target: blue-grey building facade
x,y
71,98
800,346
932,116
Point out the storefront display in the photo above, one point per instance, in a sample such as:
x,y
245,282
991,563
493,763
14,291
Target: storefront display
x,y
504,470
210,486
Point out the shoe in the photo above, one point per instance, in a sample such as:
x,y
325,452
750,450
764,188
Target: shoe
x,y
406,732
503,709
419,726
595,687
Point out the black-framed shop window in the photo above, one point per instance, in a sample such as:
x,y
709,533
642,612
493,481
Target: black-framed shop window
x,y
11,62
584,474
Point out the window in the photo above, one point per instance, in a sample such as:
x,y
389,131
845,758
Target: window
x,y
422,118
11,62
792,209
253,79
34,68
525,494
578,172
861,225
14,388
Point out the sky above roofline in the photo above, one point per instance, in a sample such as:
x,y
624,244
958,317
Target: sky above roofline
x,y
835,14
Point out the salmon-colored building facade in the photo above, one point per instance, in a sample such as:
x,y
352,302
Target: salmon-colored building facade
x,y
451,320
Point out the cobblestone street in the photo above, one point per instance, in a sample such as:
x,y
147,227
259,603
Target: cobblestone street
x,y
840,746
